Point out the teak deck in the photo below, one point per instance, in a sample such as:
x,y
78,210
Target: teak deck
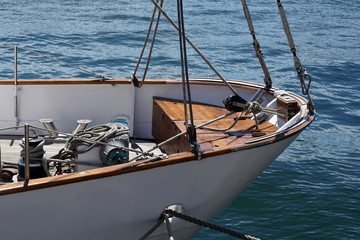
x,y
168,120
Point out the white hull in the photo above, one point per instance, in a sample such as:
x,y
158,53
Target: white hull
x,y
128,205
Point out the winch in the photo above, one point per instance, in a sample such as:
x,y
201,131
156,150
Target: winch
x,y
112,153
36,155
235,103
101,145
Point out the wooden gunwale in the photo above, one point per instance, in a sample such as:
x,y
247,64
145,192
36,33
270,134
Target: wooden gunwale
x,y
142,165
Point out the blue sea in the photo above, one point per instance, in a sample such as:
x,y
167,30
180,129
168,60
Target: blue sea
x,y
312,190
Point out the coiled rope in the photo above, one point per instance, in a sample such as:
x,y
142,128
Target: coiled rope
x,y
90,137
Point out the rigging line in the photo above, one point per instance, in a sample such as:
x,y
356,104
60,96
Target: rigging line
x,y
82,69
185,74
267,78
151,47
225,129
146,40
182,65
196,49
265,110
302,74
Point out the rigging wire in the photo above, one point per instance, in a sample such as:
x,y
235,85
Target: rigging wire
x,y
224,129
195,48
191,131
302,74
267,78
134,78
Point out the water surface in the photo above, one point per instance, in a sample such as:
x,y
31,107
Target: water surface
x,y
312,190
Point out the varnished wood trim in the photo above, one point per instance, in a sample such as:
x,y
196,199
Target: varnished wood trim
x,y
92,174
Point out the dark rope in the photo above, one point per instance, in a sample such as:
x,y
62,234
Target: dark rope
x,y
208,225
